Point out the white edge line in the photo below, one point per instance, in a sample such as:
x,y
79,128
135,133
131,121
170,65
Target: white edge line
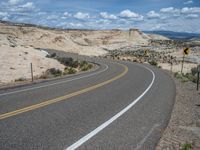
x,y
105,124
147,136
28,89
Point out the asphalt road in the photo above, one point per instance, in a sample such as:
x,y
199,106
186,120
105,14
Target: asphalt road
x,y
121,105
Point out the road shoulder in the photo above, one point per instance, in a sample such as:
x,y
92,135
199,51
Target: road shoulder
x,y
184,126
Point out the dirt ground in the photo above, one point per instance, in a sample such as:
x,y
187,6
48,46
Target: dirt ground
x,y
184,125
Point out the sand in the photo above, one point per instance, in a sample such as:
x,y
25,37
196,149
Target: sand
x,y
15,63
177,67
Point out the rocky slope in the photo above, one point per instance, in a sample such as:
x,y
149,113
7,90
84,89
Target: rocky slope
x,y
85,42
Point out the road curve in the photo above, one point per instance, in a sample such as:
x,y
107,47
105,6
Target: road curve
x,y
121,105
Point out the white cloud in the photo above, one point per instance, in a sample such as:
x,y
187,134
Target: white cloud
x,y
16,6
41,13
5,19
3,14
14,2
66,14
75,25
105,15
28,6
188,2
128,14
153,14
191,10
80,15
52,17
131,15
103,21
192,16
169,10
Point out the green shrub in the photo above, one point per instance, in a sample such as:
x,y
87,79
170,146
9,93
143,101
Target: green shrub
x,y
20,79
191,77
153,63
187,146
75,64
67,61
186,77
69,70
86,67
83,63
194,71
176,74
55,72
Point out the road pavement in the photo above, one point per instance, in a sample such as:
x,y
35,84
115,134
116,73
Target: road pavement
x,y
121,105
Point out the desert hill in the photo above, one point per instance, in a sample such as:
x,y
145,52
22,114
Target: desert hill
x,y
84,42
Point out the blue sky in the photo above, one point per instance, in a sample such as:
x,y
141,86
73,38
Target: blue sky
x,y
173,15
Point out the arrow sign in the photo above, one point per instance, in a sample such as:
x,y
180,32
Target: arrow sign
x,y
146,52
186,51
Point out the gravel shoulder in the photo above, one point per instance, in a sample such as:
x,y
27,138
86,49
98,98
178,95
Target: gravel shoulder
x,y
184,125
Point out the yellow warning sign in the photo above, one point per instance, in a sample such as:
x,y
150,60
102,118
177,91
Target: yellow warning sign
x,y
146,52
186,51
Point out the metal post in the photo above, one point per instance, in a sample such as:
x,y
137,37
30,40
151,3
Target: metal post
x,y
31,72
198,81
171,66
182,64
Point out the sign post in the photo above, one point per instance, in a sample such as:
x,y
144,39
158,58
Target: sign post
x,y
171,67
185,52
198,74
31,72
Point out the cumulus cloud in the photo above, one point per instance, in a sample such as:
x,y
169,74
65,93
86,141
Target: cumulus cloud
x,y
103,21
191,10
28,6
41,13
188,2
52,17
75,25
16,6
105,15
153,14
131,15
14,2
80,15
192,16
128,14
186,12
66,14
3,14
169,10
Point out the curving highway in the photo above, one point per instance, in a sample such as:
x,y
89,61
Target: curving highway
x,y
120,105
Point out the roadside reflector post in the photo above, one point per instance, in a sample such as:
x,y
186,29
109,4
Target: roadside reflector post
x,y
31,72
198,74
171,67
198,81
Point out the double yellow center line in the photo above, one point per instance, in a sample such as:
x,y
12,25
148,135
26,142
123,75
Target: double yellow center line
x,y
62,98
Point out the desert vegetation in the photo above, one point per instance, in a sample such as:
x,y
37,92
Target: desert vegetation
x,y
71,66
185,77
